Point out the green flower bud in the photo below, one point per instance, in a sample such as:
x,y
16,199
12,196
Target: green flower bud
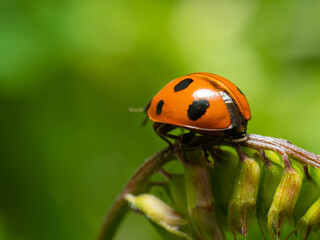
x,y
309,193
311,220
242,206
274,157
203,221
270,180
158,212
315,174
225,167
177,190
284,200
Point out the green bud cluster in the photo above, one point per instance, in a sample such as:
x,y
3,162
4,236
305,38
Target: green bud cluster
x,y
228,191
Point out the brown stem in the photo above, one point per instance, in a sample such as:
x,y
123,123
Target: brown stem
x,y
134,185
264,157
298,154
240,153
286,161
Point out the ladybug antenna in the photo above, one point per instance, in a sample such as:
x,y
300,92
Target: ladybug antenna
x,y
136,109
145,121
144,110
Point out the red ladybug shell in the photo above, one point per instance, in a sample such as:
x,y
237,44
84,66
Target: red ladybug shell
x,y
203,102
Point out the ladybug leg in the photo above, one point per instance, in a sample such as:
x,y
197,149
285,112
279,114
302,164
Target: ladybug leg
x,y
162,130
214,153
186,139
206,155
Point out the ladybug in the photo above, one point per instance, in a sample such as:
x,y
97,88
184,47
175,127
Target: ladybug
x,y
203,103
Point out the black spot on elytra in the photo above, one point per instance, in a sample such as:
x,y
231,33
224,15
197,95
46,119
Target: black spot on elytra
x,y
182,84
197,109
159,107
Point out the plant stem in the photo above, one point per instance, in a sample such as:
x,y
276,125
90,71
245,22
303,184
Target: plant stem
x,y
134,185
283,147
259,142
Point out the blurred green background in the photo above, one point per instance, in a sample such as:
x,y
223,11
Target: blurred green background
x,y
69,71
